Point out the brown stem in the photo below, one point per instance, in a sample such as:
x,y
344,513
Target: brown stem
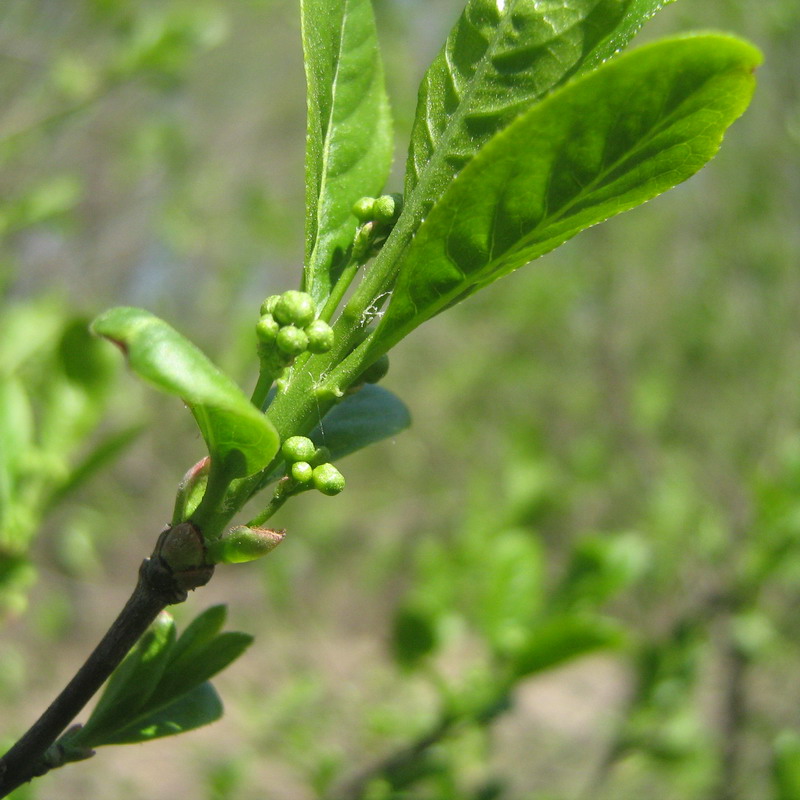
x,y
158,586
734,713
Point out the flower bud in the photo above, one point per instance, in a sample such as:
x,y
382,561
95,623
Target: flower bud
x,y
298,448
321,455
268,306
387,208
362,242
320,336
363,209
267,329
242,544
291,340
327,479
301,471
295,308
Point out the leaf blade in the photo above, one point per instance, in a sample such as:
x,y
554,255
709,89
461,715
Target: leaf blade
x,y
198,707
498,60
526,192
349,131
240,439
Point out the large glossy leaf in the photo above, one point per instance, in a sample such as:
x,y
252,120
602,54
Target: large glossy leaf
x,y
349,134
501,56
240,439
604,143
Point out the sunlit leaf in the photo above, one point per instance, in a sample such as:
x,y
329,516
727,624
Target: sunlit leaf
x,y
349,137
501,56
240,439
604,143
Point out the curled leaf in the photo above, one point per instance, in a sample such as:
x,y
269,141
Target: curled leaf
x,y
240,439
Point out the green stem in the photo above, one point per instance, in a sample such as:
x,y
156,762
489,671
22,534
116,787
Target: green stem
x,y
339,289
278,499
265,380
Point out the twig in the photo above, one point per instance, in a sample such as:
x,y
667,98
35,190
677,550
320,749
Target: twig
x,y
157,587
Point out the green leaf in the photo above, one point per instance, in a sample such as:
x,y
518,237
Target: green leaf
x,y
601,567
162,687
132,683
414,635
786,766
349,134
499,59
198,707
240,439
108,450
84,359
369,415
197,664
508,590
604,143
564,638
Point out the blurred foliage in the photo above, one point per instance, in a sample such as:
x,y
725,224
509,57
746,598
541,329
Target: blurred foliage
x,y
606,444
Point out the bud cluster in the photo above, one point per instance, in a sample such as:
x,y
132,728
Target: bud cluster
x,y
309,466
288,327
377,216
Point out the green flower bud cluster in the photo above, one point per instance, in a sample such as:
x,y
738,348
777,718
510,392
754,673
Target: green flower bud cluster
x,y
288,327
384,209
377,216
309,466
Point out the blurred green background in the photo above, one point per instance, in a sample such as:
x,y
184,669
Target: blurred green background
x,y
611,435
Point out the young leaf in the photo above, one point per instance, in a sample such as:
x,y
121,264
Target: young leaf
x,y
604,143
498,60
133,682
564,638
194,709
197,664
349,132
240,439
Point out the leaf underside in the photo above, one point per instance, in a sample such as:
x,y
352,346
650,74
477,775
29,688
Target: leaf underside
x,y
606,142
349,132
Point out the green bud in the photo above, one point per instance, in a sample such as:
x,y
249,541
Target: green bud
x,y
268,306
320,336
267,328
295,308
327,479
298,448
191,490
362,243
291,340
302,471
321,455
363,209
242,544
387,208
375,371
